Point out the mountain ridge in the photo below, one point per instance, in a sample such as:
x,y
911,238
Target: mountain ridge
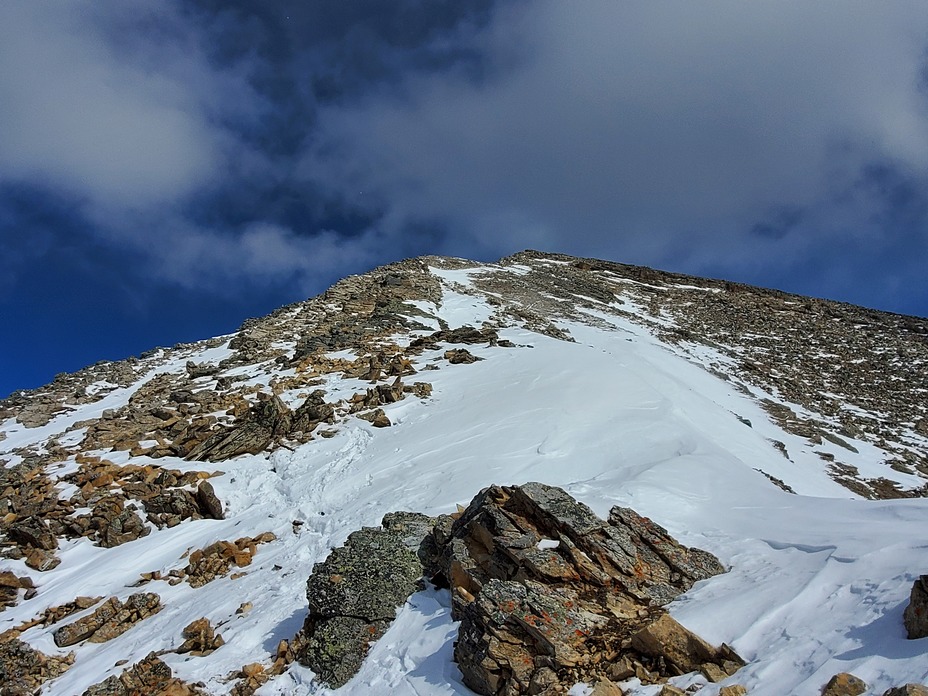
x,y
413,386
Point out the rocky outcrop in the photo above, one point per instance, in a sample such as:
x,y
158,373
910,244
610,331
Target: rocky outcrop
x,y
50,616
354,594
150,676
915,616
111,619
107,489
268,419
23,669
844,684
266,422
548,594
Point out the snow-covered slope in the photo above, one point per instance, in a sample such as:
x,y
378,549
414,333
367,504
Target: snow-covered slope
x,y
818,577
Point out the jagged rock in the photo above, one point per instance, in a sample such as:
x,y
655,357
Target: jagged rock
x,y
353,595
201,638
907,690
462,334
423,390
539,581
267,420
311,412
377,418
631,554
148,677
203,370
10,585
23,669
460,356
844,684
208,501
915,616
111,619
33,531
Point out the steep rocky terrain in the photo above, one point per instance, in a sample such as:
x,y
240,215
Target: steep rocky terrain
x,y
229,467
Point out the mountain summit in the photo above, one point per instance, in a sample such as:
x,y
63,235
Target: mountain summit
x,y
161,515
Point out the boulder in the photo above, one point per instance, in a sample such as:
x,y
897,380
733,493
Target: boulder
x,y
915,616
209,503
543,586
683,649
171,506
354,594
195,370
844,684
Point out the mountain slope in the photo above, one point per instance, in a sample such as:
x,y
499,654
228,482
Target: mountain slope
x,y
750,423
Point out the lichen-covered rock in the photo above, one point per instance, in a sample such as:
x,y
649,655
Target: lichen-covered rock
x,y
915,616
540,532
110,619
907,690
354,594
23,669
543,586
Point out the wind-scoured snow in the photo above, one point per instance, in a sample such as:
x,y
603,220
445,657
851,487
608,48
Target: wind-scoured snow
x,y
817,584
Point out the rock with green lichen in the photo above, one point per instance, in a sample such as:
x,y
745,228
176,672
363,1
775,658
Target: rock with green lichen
x,y
354,594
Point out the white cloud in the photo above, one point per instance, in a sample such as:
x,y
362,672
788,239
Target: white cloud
x,y
640,129
95,101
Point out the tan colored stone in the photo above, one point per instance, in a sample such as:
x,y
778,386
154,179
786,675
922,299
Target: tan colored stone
x,y
604,687
733,690
844,684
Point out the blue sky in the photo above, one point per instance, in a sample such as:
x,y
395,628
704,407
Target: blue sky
x,y
169,168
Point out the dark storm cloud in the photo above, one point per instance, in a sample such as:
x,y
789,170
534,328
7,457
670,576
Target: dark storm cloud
x,y
256,152
178,127
654,132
